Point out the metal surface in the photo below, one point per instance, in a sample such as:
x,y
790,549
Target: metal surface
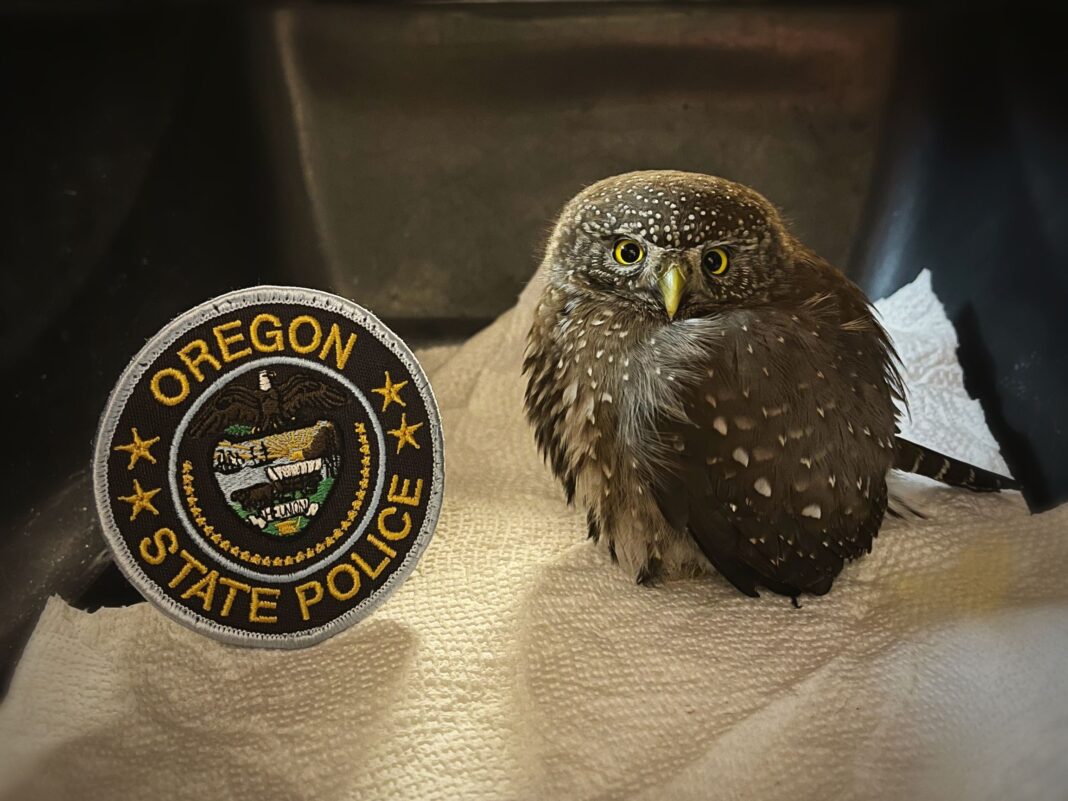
x,y
426,149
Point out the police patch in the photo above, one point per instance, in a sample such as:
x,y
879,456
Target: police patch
x,y
269,467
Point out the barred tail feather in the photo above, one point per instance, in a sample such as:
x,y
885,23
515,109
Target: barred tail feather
x,y
914,458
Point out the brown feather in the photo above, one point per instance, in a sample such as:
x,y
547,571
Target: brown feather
x,y
752,431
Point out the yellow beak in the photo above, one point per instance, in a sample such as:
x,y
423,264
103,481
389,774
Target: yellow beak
x,y
671,285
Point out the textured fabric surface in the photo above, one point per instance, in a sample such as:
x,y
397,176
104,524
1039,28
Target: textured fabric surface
x,y
518,662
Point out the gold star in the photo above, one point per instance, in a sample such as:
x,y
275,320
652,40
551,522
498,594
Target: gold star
x,y
405,434
141,499
138,449
391,392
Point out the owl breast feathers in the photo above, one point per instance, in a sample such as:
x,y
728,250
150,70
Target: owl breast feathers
x,y
714,393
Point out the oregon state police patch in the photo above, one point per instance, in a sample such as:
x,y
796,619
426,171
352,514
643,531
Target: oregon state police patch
x,y
270,466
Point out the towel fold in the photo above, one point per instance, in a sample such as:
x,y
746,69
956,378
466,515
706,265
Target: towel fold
x,y
518,662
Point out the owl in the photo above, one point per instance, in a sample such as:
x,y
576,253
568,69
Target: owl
x,y
715,394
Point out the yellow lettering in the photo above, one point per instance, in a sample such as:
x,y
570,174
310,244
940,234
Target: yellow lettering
x,y
157,556
234,587
295,326
390,534
404,496
273,337
203,356
372,572
225,342
331,581
190,562
258,603
160,395
341,354
304,600
371,538
203,589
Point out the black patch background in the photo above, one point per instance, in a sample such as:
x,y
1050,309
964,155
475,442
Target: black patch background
x,y
366,366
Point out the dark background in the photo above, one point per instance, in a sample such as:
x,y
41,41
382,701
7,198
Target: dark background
x,y
411,156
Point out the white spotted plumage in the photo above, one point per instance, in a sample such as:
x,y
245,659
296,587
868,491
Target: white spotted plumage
x,y
739,432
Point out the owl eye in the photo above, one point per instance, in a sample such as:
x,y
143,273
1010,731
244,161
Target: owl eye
x,y
715,261
628,252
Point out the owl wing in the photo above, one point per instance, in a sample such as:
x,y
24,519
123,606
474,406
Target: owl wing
x,y
234,405
301,391
780,469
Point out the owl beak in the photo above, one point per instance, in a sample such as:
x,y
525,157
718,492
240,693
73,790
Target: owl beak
x,y
671,285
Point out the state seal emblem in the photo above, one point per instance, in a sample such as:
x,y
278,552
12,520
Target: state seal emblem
x,y
270,466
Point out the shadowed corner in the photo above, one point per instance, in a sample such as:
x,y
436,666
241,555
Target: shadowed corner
x,y
970,184
977,364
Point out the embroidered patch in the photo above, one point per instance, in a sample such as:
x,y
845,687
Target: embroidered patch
x,y
269,467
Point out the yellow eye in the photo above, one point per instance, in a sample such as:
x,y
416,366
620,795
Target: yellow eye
x,y
716,261
628,252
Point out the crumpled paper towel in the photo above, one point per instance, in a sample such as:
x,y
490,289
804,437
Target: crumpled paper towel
x,y
518,662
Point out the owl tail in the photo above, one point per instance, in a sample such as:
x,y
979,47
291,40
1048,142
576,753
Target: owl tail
x,y
914,458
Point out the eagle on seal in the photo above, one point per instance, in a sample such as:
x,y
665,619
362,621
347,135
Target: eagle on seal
x,y
271,407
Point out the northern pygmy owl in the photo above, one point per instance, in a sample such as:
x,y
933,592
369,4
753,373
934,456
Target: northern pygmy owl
x,y
713,392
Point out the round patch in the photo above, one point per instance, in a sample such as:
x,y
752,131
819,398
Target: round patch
x,y
269,467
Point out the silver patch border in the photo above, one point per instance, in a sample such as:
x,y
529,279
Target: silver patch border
x,y
131,377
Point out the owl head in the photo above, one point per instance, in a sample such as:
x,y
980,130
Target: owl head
x,y
669,245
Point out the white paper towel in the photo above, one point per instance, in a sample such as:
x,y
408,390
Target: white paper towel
x,y
941,411
518,662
